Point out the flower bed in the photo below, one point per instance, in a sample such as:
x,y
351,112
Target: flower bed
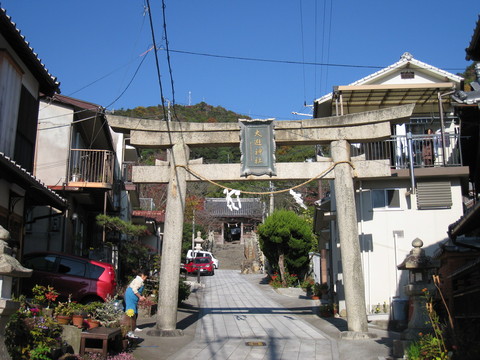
x,y
35,333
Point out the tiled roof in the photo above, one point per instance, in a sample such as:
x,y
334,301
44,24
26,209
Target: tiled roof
x,y
157,215
251,207
473,50
405,59
78,103
39,193
48,84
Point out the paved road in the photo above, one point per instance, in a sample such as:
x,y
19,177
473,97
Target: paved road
x,y
235,317
237,321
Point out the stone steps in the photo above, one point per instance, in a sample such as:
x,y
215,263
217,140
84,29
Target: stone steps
x,y
230,256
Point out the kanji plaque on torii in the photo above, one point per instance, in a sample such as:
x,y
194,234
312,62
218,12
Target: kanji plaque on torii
x,y
257,146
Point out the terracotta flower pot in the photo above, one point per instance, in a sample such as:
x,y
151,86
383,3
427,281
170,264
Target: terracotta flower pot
x,y
77,320
63,320
93,323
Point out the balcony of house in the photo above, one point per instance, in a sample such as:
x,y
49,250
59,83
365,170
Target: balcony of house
x,y
421,151
91,168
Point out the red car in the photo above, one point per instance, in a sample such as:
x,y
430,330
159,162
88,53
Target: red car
x,y
204,265
86,280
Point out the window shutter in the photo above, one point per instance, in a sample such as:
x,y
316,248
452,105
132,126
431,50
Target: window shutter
x,y
434,195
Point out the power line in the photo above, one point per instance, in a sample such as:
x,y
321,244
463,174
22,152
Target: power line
x,y
157,65
168,52
284,61
129,83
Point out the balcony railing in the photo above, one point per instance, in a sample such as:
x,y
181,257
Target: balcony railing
x,y
91,166
427,151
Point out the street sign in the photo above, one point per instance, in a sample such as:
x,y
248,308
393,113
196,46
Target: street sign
x,y
257,145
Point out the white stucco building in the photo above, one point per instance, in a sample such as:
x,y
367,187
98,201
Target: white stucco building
x,y
423,194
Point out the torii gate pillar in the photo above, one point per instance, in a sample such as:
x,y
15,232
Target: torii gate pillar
x,y
172,244
349,245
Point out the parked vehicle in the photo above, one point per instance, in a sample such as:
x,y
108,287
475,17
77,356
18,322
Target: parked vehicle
x,y
191,254
204,265
86,280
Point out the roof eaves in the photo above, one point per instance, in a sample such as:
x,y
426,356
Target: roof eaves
x,y
473,50
81,104
48,83
405,59
30,179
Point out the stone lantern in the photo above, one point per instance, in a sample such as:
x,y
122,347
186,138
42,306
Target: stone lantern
x,y
420,268
198,241
9,268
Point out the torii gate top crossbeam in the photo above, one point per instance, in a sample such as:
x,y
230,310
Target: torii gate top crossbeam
x,y
360,127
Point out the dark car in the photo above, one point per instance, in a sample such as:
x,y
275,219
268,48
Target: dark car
x,y
84,279
203,265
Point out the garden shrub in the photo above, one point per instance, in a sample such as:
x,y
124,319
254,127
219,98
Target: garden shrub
x,y
286,239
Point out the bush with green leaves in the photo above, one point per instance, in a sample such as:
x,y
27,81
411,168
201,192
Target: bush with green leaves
x,y
183,291
108,313
31,337
187,237
286,239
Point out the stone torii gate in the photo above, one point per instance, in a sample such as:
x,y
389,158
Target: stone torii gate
x,y
338,131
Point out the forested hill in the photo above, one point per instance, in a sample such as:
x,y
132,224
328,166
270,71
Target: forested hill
x,y
201,112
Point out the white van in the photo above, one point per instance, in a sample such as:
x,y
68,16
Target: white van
x,y
191,254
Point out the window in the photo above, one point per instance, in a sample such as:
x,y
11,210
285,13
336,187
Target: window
x,y
385,199
94,271
71,267
41,263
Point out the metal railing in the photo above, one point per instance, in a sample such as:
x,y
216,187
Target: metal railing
x,y
91,166
427,151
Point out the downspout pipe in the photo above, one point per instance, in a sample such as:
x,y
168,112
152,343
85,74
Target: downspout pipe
x,y
411,157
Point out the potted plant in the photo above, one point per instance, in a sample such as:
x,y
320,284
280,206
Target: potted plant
x,y
147,307
108,313
44,296
64,312
78,314
307,285
34,339
91,312
320,290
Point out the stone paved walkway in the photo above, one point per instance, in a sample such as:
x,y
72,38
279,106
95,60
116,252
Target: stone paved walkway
x,y
237,321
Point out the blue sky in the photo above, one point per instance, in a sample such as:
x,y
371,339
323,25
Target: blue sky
x,y
95,47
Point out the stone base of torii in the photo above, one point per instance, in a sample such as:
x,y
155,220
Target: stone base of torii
x,y
338,131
